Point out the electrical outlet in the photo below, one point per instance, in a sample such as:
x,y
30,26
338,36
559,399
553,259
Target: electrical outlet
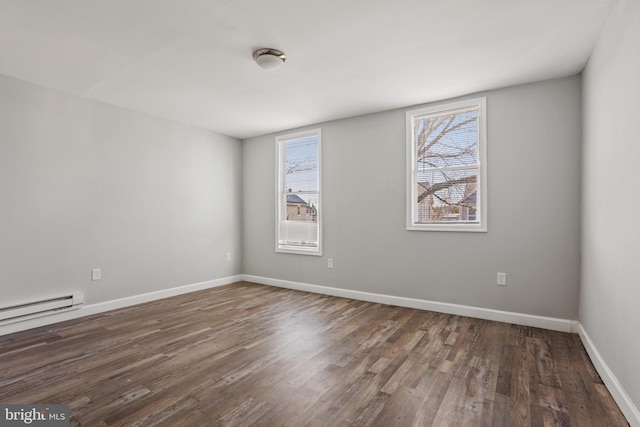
x,y
502,279
329,262
96,274
228,256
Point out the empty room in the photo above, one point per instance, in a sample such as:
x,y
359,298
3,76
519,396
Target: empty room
x,y
295,213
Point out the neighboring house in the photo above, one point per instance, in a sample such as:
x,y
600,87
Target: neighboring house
x,y
299,210
468,204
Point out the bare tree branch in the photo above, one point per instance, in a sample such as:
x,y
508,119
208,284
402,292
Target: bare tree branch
x,y
424,141
447,202
444,185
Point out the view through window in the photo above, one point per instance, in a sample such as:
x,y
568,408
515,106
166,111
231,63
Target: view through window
x,y
446,150
298,198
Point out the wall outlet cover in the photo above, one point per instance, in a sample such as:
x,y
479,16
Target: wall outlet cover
x,y
502,279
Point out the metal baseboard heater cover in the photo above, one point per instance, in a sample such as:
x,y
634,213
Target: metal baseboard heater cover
x,y
45,307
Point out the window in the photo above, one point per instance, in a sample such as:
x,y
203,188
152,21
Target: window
x,y
446,167
298,203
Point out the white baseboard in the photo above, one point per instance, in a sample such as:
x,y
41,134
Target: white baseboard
x,y
552,323
628,408
101,307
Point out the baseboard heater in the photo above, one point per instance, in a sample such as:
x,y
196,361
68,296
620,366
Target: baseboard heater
x,y
45,307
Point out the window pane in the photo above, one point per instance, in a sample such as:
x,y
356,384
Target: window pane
x,y
299,227
446,140
446,196
301,164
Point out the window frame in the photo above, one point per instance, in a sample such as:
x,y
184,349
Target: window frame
x,y
280,195
411,168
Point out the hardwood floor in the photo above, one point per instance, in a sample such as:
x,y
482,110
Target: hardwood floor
x,y
247,354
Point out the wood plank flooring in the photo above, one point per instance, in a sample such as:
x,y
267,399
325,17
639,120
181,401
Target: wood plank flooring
x,y
247,354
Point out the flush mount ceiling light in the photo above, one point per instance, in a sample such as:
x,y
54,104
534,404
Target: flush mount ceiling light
x,y
269,59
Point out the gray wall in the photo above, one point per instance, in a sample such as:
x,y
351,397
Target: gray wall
x,y
610,291
534,210
153,203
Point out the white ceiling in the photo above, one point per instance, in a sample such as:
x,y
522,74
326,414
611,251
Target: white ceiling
x,y
190,60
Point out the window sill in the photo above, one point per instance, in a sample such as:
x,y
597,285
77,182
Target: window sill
x,y
284,249
465,228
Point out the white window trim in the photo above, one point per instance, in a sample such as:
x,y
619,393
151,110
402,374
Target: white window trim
x,y
411,190
280,184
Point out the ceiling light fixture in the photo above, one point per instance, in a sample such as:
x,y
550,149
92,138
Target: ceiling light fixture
x,y
269,59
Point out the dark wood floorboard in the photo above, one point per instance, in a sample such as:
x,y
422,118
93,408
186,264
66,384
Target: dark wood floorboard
x,y
247,354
